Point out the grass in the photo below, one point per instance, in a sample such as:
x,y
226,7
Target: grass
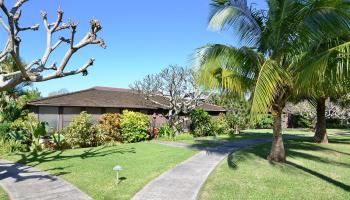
x,y
312,171
3,194
213,141
90,169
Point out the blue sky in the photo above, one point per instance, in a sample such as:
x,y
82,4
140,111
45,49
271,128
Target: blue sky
x,y
142,37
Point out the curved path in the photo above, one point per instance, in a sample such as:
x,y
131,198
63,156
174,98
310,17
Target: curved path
x,y
27,183
185,180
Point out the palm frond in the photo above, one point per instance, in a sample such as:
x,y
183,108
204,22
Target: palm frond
x,y
227,68
271,79
231,14
326,70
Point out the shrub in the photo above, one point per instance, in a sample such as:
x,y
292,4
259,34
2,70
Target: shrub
x,y
4,130
220,125
109,126
201,123
237,121
264,122
81,132
299,121
134,126
10,146
166,131
10,112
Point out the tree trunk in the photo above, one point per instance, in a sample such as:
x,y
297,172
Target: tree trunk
x,y
277,153
320,129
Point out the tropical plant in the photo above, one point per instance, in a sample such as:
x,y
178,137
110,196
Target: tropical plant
x,y
166,131
134,126
276,50
328,82
29,129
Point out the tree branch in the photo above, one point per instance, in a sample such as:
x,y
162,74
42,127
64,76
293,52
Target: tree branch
x,y
37,74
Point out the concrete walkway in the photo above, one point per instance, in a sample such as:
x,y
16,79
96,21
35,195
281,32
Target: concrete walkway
x,y
185,180
27,183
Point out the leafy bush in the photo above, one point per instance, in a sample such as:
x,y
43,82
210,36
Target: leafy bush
x,y
11,111
220,125
109,126
28,130
134,126
166,131
10,146
299,121
264,122
81,132
336,123
201,123
4,130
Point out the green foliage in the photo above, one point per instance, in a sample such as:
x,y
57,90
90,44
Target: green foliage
x,y
81,132
237,116
337,123
300,121
134,126
4,130
58,139
264,122
11,111
10,146
29,129
166,131
220,125
12,103
109,126
201,123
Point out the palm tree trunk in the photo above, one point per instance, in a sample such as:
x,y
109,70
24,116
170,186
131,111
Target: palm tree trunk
x,y
277,153
320,130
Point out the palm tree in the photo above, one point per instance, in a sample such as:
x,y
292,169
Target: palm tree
x,y
329,81
275,44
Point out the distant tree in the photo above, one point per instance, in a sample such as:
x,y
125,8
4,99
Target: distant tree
x,y
38,70
174,89
59,92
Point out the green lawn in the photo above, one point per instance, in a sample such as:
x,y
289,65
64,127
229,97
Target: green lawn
x,y
312,171
3,194
90,169
212,141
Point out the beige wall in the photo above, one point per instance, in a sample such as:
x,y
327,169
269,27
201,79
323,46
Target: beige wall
x,y
49,114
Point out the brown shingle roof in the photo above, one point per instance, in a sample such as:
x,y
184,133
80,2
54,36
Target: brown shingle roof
x,y
107,97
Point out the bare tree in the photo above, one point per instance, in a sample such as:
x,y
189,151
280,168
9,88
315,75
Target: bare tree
x,y
39,70
174,89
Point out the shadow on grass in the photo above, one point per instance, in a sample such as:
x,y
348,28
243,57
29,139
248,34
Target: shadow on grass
x,y
47,156
297,148
19,171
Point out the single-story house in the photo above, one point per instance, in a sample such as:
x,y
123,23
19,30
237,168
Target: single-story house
x,y
59,110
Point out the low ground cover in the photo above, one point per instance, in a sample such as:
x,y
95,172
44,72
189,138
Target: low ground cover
x,y
312,171
3,194
90,169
